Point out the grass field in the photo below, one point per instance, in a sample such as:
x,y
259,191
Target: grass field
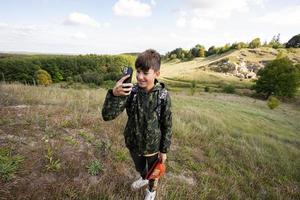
x,y
54,145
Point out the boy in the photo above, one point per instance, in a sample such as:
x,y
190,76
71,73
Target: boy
x,y
148,105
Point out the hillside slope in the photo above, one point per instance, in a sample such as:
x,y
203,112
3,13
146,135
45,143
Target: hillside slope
x,y
237,63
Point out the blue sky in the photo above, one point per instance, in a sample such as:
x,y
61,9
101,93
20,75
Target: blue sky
x,y
117,26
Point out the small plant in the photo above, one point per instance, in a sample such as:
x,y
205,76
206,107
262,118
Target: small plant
x,y
193,87
8,163
273,102
86,136
71,141
121,155
206,89
103,147
52,163
94,168
230,89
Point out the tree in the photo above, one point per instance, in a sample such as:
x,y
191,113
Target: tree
x,y
275,42
255,43
211,51
195,52
294,42
280,78
202,52
43,77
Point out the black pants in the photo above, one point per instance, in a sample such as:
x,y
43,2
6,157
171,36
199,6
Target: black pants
x,y
143,164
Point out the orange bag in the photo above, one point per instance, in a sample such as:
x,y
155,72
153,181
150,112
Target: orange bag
x,y
157,170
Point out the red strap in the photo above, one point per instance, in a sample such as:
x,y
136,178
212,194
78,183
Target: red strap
x,y
152,168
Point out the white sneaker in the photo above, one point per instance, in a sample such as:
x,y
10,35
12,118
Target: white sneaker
x,y
150,195
139,184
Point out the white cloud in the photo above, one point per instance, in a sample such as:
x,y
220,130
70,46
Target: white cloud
x,y
288,16
132,8
23,30
79,35
203,14
181,22
77,18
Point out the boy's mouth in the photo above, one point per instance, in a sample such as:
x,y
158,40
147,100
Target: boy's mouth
x,y
142,82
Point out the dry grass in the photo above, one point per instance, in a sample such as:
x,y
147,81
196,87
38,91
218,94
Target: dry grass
x,y
224,147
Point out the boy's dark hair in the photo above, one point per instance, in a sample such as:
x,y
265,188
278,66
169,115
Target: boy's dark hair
x,y
148,59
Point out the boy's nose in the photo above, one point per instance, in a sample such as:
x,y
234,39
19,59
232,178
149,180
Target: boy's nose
x,y
140,76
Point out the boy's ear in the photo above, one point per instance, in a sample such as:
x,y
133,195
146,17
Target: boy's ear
x,y
157,73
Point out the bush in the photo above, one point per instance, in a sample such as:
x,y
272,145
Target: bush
x,y
230,89
280,78
273,102
43,77
206,89
255,43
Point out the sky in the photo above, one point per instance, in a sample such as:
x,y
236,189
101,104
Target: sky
x,y
120,26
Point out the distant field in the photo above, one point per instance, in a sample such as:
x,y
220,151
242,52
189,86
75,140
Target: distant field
x,y
54,145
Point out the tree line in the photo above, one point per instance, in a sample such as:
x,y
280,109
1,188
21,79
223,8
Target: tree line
x,y
200,51
95,69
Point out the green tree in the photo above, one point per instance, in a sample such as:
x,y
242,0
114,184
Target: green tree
x,y
211,51
255,43
275,42
294,42
280,77
195,52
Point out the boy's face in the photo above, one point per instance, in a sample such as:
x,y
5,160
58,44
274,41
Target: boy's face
x,y
145,79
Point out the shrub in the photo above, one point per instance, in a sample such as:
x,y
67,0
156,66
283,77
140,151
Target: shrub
x,y
273,102
206,89
255,43
43,77
230,89
193,87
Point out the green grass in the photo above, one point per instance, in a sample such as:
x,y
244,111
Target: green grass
x,y
52,163
9,163
250,149
224,146
94,168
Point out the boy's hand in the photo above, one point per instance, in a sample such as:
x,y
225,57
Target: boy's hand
x,y
163,157
122,89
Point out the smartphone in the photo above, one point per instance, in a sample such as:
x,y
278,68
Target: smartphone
x,y
127,71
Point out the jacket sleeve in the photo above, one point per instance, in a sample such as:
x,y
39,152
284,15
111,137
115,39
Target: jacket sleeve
x,y
113,106
166,126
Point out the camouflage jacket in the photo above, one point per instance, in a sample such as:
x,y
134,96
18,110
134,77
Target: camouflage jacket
x,y
149,126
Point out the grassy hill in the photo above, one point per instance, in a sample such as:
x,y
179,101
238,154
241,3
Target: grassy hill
x,y
180,74
54,145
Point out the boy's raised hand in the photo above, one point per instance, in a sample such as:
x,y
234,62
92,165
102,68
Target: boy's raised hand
x,y
122,89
